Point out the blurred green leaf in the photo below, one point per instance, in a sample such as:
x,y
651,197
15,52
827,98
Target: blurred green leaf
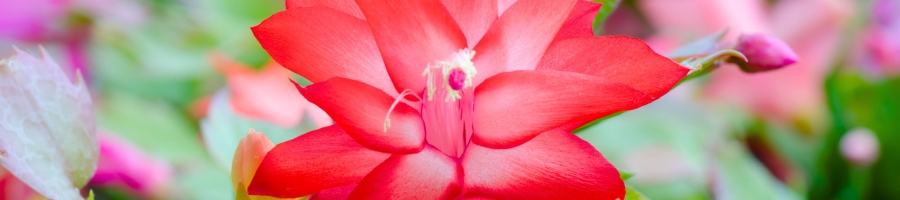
x,y
154,126
740,176
672,124
702,46
223,129
605,10
625,175
204,181
630,194
857,102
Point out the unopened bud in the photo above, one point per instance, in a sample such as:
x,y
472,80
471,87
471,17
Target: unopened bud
x,y
859,146
247,158
765,52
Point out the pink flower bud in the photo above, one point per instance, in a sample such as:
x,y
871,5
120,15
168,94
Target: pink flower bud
x,y
859,146
765,52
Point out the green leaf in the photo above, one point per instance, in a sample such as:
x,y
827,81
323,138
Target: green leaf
x,y
608,7
154,126
631,194
203,180
855,101
680,127
625,175
704,64
223,129
740,176
90,195
702,46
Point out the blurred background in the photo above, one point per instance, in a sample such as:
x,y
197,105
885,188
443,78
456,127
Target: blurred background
x,y
177,83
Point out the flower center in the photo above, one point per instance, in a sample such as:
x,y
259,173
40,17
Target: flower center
x,y
448,119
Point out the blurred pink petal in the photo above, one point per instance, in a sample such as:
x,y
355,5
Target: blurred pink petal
x,y
31,20
125,166
809,27
860,146
691,19
13,188
881,41
267,95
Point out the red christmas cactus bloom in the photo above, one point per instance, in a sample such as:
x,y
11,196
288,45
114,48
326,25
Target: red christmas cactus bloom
x,y
447,99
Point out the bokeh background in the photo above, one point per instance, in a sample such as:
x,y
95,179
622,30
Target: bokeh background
x,y
177,83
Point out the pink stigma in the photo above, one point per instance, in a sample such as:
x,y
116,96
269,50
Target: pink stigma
x,y
456,79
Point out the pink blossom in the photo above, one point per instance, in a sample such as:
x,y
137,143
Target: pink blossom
x,y
123,165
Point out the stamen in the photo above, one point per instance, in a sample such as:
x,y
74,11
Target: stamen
x,y
387,117
457,74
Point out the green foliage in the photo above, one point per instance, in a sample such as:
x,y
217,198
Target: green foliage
x,y
607,9
164,132
223,129
854,102
630,194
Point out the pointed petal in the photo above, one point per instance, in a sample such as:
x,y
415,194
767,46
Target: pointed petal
x,y
336,193
314,161
553,165
579,23
513,107
473,16
520,36
410,35
426,175
360,109
619,58
319,43
345,6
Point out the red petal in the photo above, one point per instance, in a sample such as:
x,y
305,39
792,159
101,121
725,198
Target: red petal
x,y
580,21
426,175
623,59
345,6
314,161
410,35
513,107
520,36
336,193
553,165
473,16
319,43
360,109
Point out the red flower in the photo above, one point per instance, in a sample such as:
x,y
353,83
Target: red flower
x,y
489,117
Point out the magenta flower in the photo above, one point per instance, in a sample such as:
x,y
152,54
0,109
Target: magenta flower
x,y
444,99
123,165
